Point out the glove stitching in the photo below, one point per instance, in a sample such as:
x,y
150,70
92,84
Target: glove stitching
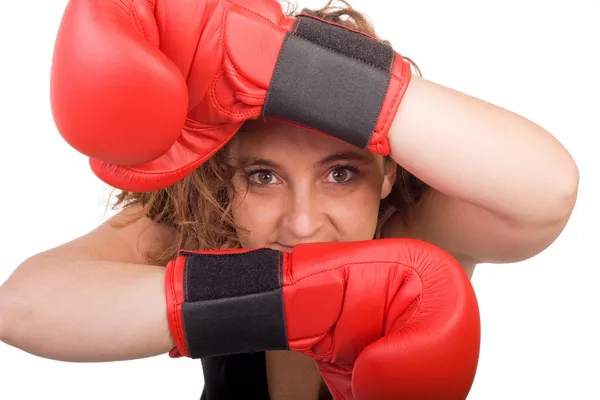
x,y
406,277
336,393
353,264
397,97
179,329
228,64
376,142
163,32
136,20
219,107
387,293
232,70
137,174
274,24
296,26
185,279
389,112
252,96
332,349
216,79
417,300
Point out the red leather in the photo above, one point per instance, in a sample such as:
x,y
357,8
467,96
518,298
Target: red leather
x,y
150,89
385,319
175,298
127,78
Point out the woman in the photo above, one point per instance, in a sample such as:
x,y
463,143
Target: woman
x,y
485,184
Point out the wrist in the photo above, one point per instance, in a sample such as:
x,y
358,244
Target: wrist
x,y
212,297
400,79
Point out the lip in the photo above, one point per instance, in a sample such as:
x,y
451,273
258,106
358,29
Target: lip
x,y
282,247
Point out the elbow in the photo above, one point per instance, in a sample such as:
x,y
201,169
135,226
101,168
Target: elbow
x,y
555,207
15,304
557,182
566,185
552,181
5,313
2,321
561,203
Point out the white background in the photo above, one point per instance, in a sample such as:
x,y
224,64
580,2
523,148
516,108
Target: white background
x,y
540,317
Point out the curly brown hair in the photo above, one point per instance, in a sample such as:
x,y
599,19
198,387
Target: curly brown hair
x,y
198,207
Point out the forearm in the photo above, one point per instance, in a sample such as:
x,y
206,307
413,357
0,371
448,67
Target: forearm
x,y
82,310
482,154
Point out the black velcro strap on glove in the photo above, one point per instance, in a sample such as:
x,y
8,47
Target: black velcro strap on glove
x,y
331,79
233,303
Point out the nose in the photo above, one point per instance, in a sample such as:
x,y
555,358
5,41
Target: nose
x,y
304,217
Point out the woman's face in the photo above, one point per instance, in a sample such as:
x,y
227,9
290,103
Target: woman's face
x,y
295,186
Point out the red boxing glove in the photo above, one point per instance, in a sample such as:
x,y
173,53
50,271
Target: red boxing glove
x,y
384,319
150,90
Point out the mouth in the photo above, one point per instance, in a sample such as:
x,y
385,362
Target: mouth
x,y
282,247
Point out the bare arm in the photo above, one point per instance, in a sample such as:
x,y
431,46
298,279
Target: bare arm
x,y
92,299
504,188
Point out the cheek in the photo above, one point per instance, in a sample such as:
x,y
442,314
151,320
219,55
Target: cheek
x,y
256,218
355,215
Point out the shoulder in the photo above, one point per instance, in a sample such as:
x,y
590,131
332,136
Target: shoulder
x,y
142,236
128,236
432,220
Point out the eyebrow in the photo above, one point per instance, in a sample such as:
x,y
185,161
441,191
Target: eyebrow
x,y
342,156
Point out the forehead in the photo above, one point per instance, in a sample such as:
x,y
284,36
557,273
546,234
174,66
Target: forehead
x,y
281,140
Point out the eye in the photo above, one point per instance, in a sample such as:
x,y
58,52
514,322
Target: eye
x,y
341,175
262,177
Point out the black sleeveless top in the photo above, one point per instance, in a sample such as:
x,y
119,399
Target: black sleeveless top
x,y
239,376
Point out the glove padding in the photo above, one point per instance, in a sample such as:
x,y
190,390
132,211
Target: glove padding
x,y
151,89
383,319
